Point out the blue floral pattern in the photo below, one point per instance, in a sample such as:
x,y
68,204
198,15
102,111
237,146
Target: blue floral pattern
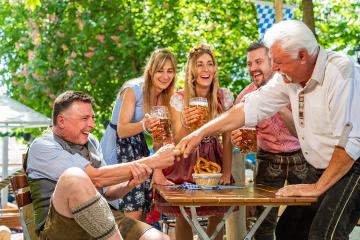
x,y
127,150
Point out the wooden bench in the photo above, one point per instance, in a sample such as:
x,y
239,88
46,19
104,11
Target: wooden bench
x,y
22,193
10,218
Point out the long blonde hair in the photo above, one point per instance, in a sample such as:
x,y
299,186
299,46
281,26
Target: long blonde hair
x,y
157,60
215,107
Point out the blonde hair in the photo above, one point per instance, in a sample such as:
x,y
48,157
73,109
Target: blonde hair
x,y
157,60
215,107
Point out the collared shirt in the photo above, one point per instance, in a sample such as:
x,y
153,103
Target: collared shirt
x,y
320,110
272,134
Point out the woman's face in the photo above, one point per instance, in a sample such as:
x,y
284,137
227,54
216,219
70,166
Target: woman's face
x,y
205,70
163,76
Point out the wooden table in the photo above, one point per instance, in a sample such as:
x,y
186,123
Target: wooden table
x,y
251,195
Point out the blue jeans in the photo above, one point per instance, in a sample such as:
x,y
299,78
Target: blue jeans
x,y
333,216
273,169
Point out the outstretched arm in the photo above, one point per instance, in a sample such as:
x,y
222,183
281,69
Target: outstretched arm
x,y
230,120
114,174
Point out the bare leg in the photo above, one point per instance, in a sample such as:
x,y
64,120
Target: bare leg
x,y
183,230
74,188
213,222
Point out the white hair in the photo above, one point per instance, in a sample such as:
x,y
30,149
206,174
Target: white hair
x,y
293,36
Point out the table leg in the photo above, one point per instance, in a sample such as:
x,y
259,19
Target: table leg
x,y
194,222
258,222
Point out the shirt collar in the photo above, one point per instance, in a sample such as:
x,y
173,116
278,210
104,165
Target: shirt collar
x,y
319,69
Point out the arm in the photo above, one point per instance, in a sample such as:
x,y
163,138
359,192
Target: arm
x,y
114,174
339,165
140,173
124,127
179,130
230,120
227,158
287,117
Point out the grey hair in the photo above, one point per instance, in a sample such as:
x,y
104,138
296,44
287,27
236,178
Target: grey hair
x,y
293,36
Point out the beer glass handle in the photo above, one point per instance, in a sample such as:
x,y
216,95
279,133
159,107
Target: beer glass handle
x,y
182,121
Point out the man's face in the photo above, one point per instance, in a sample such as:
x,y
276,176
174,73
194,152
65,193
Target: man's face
x,y
259,67
77,122
292,70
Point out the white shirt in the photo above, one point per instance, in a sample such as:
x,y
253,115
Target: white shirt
x,y
331,98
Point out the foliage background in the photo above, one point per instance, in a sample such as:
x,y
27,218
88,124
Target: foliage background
x,y
49,46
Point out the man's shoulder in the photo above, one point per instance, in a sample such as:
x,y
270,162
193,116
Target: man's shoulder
x,y
46,139
342,62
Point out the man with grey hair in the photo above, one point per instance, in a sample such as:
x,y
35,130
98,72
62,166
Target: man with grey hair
x,y
69,180
323,88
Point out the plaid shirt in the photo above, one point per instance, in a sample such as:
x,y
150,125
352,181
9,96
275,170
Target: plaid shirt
x,y
272,133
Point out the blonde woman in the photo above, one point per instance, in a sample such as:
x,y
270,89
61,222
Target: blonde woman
x,y
129,121
201,80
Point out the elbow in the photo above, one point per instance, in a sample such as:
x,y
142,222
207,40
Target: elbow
x,y
121,132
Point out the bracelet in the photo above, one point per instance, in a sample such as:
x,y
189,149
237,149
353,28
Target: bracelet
x,y
182,121
144,128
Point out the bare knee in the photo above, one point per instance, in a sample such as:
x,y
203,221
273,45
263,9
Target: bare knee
x,y
74,187
154,234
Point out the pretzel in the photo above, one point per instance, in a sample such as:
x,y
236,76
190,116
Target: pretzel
x,y
204,166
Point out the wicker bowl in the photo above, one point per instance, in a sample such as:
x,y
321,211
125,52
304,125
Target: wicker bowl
x,y
207,179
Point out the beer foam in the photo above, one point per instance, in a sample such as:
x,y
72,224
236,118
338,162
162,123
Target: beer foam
x,y
198,103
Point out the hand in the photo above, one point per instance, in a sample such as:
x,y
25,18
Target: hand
x,y
189,143
225,179
303,190
236,137
150,122
191,115
159,179
165,156
140,173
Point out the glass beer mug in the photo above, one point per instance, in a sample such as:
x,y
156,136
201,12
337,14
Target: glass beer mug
x,y
248,144
202,104
162,132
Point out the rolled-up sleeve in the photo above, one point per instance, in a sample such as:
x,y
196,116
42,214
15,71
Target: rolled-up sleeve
x,y
265,101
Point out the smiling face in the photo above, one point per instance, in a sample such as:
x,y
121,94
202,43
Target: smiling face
x,y
204,70
259,66
76,122
297,70
163,76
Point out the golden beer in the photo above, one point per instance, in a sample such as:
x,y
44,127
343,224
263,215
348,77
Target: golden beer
x,y
201,104
248,144
161,133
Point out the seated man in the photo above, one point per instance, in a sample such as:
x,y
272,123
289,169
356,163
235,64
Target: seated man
x,y
68,176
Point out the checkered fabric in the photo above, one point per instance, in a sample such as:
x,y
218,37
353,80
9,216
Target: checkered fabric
x,y
266,16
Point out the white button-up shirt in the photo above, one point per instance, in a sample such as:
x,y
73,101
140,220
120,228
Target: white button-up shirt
x,y
329,100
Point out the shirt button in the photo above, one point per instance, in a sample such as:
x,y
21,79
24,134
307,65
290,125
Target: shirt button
x,y
302,138
306,153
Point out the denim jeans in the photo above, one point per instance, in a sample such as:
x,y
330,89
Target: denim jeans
x,y
273,169
333,216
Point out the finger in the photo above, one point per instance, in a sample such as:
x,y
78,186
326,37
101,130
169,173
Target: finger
x,y
140,171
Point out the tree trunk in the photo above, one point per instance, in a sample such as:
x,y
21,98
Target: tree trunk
x,y
308,14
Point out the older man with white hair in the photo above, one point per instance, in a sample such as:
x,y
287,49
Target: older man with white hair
x,y
323,88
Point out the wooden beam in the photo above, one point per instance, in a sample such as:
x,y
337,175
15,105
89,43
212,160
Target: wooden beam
x,y
278,4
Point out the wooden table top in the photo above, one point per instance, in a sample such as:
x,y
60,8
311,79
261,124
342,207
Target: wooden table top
x,y
251,195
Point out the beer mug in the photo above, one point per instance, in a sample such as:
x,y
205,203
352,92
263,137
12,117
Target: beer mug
x,y
248,144
161,133
202,104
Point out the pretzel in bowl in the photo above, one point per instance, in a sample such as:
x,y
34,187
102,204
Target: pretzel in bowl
x,y
204,166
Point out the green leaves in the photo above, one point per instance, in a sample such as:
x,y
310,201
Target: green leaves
x,y
95,46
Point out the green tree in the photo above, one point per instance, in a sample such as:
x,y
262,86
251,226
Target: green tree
x,y
50,46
